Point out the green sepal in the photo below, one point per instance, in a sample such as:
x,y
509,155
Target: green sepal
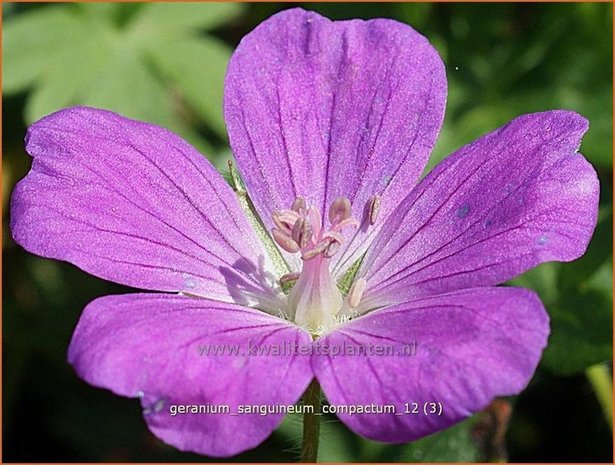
x,y
279,264
348,278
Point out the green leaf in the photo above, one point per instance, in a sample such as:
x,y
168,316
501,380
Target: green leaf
x,y
126,86
416,14
159,19
581,332
543,280
475,122
596,104
601,379
98,9
30,43
66,78
196,66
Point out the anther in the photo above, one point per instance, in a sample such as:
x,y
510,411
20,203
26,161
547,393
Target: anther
x,y
339,210
317,250
336,236
302,232
277,220
356,292
374,209
284,240
332,249
289,277
298,204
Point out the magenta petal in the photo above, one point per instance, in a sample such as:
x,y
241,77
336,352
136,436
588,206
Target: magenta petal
x,y
149,346
323,109
133,203
512,199
471,346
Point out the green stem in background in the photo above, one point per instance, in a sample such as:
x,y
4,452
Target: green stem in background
x,y
602,382
311,423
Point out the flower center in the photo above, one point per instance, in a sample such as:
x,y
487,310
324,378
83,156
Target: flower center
x,y
315,300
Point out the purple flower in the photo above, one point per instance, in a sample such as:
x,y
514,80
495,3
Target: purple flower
x,y
331,124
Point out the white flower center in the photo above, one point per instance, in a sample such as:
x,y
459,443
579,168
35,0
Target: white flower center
x,y
315,300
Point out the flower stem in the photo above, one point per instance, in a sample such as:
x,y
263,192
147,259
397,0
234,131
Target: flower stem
x,y
311,423
600,378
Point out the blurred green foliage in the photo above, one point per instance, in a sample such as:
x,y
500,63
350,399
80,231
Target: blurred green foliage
x,y
165,63
138,60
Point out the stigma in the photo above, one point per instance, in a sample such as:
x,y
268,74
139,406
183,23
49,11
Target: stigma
x,y
315,301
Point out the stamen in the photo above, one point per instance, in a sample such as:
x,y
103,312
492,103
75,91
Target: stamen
x,y
348,222
339,210
374,209
314,299
333,235
302,232
317,250
284,240
333,248
279,223
356,292
285,219
313,214
298,205
289,277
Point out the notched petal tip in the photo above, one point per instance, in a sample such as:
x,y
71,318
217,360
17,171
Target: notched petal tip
x,y
566,123
67,118
377,86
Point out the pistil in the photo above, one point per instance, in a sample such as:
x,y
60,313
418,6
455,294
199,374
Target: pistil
x,y
315,301
315,297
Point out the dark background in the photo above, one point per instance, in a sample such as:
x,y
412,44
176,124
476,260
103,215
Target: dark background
x,y
502,60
